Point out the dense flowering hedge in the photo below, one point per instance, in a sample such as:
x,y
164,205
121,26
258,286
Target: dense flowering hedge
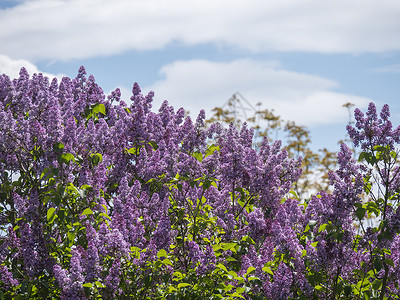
x,y
101,200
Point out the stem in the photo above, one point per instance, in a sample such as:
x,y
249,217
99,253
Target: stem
x,y
244,206
233,197
196,211
335,283
385,277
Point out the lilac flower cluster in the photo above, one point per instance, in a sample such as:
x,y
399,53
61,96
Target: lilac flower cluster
x,y
71,281
370,130
112,199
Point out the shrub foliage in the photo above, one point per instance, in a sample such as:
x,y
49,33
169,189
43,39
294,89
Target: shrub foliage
x,y
104,200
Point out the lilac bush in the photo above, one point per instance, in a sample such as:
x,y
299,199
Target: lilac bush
x,y
104,200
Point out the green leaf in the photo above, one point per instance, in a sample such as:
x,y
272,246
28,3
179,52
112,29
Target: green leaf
x,y
381,148
195,229
211,149
303,252
233,274
103,215
87,187
360,213
364,155
58,147
162,253
377,284
373,207
320,288
135,252
222,267
87,211
99,108
369,158
268,270
294,194
389,262
153,144
367,187
96,158
230,258
50,215
216,247
378,264
347,290
177,276
251,278
236,295
87,285
250,270
206,184
131,150
248,239
183,284
167,262
229,246
71,238
44,172
99,284
198,156
322,227
66,158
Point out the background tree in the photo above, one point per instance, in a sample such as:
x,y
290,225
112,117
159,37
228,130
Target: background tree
x,y
296,140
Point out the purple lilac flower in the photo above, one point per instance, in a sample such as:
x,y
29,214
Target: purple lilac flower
x,y
112,280
71,281
195,254
257,224
207,261
370,130
280,288
7,278
161,238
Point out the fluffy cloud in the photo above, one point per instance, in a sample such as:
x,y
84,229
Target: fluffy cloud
x,y
388,69
307,99
11,67
200,84
65,29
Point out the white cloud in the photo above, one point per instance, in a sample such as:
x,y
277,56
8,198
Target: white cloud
x,y
11,67
65,29
306,99
388,69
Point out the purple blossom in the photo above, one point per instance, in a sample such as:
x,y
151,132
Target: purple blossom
x,y
195,254
280,288
7,278
207,261
257,224
161,238
112,280
71,281
144,194
370,130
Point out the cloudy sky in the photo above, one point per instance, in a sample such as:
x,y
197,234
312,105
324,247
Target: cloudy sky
x,y
302,58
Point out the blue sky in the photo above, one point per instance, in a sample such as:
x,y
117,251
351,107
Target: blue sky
x,y
302,58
